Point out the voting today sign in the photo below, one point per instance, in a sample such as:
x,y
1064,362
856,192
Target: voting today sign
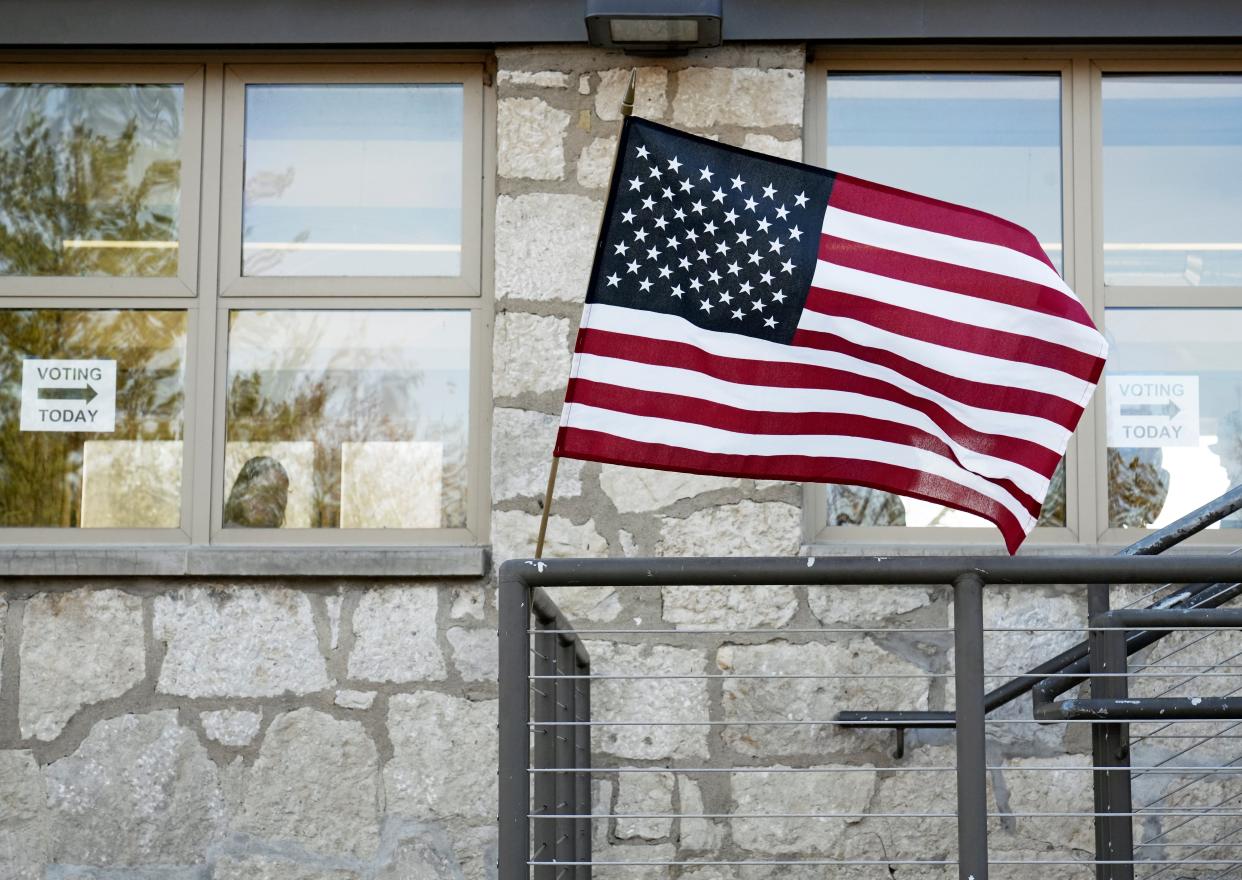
x,y
1147,411
64,395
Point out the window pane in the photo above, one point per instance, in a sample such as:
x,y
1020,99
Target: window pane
x,y
1174,398
63,461
347,419
91,179
990,141
1172,192
345,180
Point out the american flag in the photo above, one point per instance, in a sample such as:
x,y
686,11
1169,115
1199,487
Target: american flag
x,y
756,317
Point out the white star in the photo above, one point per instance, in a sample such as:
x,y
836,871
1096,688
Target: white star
x,y
641,152
751,204
763,224
713,276
737,314
721,247
686,185
781,212
654,172
661,223
644,285
628,216
667,193
676,291
754,258
695,284
649,203
718,195
698,207
665,271
743,237
745,287
691,235
679,213
705,173
737,182
766,277
635,183
731,215
726,298
795,234
621,247
757,306
709,227
775,245
613,279
787,266
703,257
684,262
769,321
769,191
800,199
674,165
632,267
778,297
672,242
653,253
640,234
733,268
706,305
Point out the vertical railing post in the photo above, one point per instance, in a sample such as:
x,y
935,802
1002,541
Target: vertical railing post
x,y
513,845
972,803
582,763
566,731
1110,747
543,749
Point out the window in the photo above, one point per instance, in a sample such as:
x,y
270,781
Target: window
x,y
242,303
1123,170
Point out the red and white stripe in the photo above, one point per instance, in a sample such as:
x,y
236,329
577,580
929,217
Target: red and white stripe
x,y
939,355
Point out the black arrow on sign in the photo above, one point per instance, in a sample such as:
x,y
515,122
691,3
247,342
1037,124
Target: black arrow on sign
x,y
1169,409
88,393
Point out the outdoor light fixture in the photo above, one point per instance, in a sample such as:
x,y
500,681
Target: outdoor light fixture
x,y
653,27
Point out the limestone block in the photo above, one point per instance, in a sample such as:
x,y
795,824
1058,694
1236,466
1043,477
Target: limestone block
x,y
77,648
531,354
597,604
467,602
759,793
584,84
24,820
747,528
238,642
392,484
745,96
297,457
349,699
522,456
700,835
729,607
530,139
765,143
865,606
648,700
638,490
275,868
544,246
231,727
514,534
333,606
811,699
543,79
139,790
475,653
432,775
650,92
418,856
595,162
316,782
644,793
131,484
1066,789
395,636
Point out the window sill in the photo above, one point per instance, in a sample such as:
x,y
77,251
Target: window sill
x,y
199,561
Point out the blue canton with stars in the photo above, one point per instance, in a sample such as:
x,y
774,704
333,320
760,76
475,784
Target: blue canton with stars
x,y
723,237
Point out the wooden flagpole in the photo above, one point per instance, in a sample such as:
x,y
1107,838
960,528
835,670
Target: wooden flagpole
x,y
627,108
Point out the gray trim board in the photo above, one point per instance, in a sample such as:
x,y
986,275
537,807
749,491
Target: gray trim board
x,y
311,23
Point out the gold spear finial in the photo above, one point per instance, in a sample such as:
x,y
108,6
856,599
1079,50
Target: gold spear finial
x,y
627,103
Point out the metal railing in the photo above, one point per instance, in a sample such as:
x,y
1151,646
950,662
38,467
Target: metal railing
x,y
712,791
